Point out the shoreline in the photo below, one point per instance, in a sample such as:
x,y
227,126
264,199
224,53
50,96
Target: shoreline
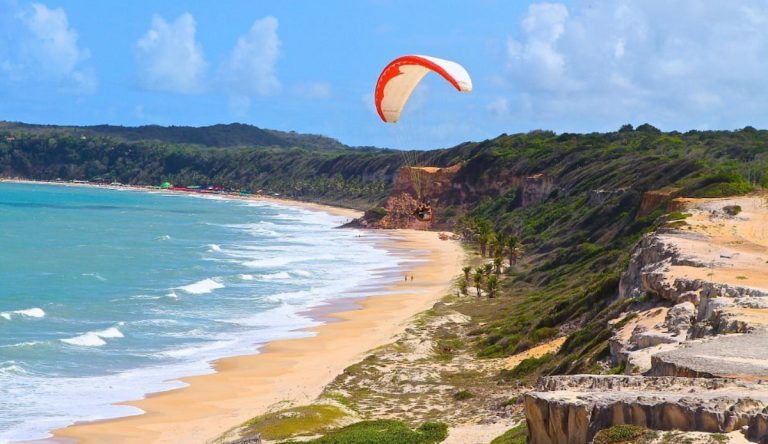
x,y
313,206
287,370
283,372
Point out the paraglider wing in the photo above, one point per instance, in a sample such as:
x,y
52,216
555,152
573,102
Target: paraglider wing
x,y
398,80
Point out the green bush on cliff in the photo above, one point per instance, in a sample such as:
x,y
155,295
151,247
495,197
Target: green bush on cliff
x,y
515,435
385,432
304,420
625,433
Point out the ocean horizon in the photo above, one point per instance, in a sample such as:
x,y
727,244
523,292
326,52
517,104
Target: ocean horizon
x,y
108,295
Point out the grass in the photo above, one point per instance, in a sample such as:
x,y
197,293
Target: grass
x,y
677,215
304,420
515,435
385,432
625,433
526,367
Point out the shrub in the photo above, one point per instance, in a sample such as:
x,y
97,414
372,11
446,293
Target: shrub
x,y
294,421
624,433
462,395
385,432
543,333
515,435
526,367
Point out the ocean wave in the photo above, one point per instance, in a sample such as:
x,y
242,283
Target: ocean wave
x,y
269,262
23,344
28,313
12,369
275,276
96,276
197,349
202,287
212,248
164,237
245,277
94,338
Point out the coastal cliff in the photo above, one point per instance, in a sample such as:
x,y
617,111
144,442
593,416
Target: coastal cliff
x,y
691,341
448,195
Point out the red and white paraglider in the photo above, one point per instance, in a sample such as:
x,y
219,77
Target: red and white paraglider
x,y
401,76
393,89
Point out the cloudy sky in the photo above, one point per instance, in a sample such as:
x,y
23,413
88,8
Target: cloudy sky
x,y
574,66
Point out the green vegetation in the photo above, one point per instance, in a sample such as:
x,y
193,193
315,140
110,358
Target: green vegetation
x,y
557,214
385,432
462,395
515,435
677,215
526,367
625,434
305,420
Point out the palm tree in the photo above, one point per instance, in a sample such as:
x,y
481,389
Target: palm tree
x,y
497,263
491,284
488,269
514,250
466,271
478,278
463,285
483,236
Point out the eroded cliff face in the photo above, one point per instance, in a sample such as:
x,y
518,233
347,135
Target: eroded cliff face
x,y
446,192
572,409
693,341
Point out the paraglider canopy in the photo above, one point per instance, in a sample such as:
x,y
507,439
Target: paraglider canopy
x,y
401,76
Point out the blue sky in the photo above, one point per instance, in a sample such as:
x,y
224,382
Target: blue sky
x,y
311,66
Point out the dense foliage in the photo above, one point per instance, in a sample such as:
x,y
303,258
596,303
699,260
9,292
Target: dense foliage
x,y
579,236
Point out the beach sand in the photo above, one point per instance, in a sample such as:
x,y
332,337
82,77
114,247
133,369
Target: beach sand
x,y
285,372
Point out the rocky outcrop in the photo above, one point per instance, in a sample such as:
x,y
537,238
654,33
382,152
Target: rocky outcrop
x,y
413,187
693,340
424,182
534,189
441,188
740,356
572,409
600,197
655,199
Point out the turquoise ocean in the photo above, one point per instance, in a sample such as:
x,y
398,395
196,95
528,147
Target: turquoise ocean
x,y
107,295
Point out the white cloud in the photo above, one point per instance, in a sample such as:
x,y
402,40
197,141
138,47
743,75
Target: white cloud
x,y
314,90
169,57
250,68
499,106
671,63
239,105
48,48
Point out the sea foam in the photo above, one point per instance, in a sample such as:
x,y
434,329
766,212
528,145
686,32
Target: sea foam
x,y
29,313
94,338
202,287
